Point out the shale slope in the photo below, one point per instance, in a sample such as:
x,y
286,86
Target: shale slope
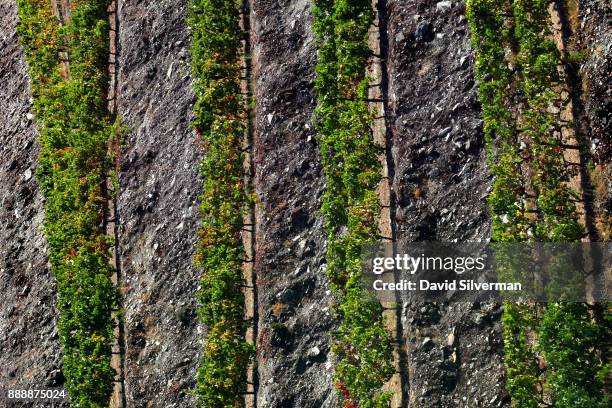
x,y
438,179
295,319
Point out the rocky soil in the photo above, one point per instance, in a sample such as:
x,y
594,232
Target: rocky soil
x,y
440,184
594,40
294,315
158,188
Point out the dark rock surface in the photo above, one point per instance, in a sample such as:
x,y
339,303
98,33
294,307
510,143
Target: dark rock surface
x,y
594,43
440,173
30,354
440,185
294,315
595,39
159,185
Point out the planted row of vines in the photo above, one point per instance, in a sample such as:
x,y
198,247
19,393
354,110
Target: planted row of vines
x,y
68,66
350,205
220,119
554,353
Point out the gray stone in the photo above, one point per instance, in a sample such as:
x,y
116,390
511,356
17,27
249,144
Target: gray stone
x,y
443,5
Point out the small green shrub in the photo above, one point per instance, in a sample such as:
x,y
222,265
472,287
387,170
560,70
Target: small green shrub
x,y
349,203
220,118
75,129
568,337
524,136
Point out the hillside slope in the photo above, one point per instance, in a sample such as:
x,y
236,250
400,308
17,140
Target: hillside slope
x,y
451,354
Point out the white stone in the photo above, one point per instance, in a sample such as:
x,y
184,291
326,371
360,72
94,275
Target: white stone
x,y
443,5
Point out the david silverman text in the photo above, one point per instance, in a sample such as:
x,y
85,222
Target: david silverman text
x,y
462,285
